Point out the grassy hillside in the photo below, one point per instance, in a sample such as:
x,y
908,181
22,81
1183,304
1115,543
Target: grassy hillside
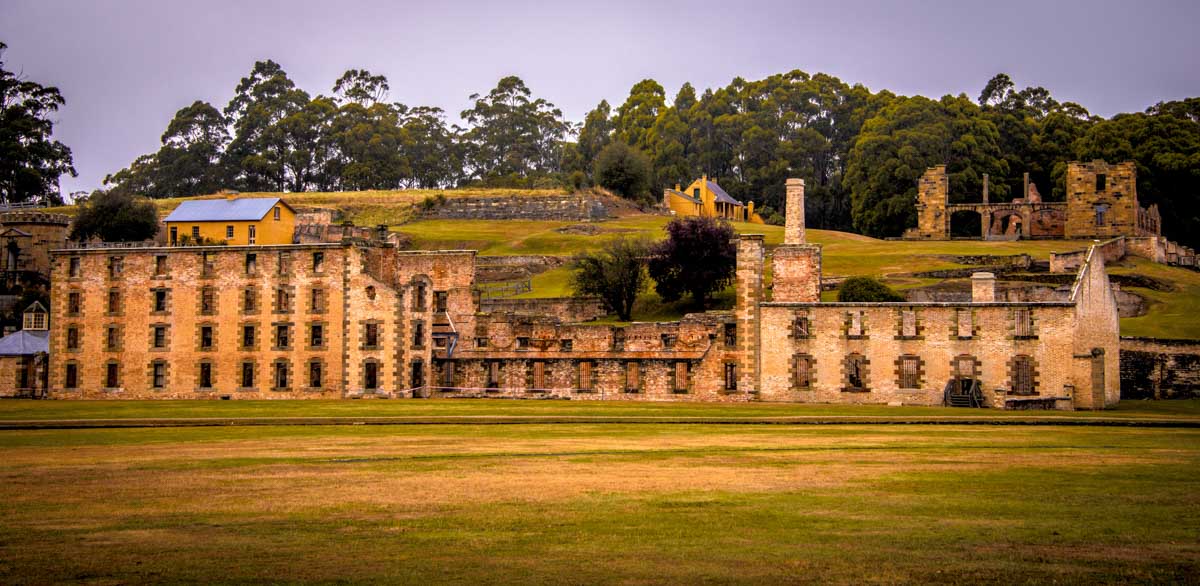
x,y
1174,313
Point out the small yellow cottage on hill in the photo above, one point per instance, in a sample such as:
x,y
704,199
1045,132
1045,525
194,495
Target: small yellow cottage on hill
x,y
705,198
233,220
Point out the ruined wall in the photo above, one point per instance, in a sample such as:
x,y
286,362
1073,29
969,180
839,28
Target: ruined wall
x,y
36,234
1111,250
875,331
567,309
1096,186
933,191
1154,368
555,207
1095,333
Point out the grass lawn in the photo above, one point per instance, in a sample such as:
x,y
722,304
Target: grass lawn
x,y
587,503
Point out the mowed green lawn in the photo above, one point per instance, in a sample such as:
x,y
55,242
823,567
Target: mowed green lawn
x,y
588,503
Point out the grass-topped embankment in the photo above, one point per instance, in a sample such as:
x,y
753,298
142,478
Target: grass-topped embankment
x,y
612,503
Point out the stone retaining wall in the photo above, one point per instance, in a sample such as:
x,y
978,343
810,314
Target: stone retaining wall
x,y
567,309
553,207
1153,368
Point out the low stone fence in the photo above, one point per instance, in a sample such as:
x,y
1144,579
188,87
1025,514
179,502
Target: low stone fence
x,y
1153,368
567,309
553,207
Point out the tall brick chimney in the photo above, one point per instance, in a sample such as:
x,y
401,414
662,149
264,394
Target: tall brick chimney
x,y
793,231
983,288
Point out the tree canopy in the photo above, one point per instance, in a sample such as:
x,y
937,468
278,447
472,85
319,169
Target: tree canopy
x,y
697,258
30,160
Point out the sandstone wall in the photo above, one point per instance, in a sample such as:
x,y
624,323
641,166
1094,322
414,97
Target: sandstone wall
x,y
566,309
1160,369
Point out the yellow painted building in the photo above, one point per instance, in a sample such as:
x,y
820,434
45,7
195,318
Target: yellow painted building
x,y
705,198
233,220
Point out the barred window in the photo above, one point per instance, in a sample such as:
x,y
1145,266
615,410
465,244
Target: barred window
x,y
539,375
441,299
116,266
448,375
74,302
803,371
73,267
371,376
317,302
681,376
1022,322
283,301
1022,375
371,335
910,372
317,335
112,338
730,376
72,338
631,377
282,339
208,301
248,336
206,337
247,374
856,375
160,265
418,300
285,263
584,382
418,334
114,301
800,327
730,335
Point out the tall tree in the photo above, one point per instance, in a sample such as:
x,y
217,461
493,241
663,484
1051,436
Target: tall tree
x,y
259,150
637,115
697,258
513,135
907,137
361,87
616,274
30,160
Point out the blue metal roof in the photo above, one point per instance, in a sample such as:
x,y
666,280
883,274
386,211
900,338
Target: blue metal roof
x,y
24,343
223,210
721,195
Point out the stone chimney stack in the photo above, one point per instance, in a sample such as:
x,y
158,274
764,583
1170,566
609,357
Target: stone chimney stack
x,y
793,232
983,288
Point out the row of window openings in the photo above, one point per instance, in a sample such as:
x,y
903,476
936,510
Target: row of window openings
x,y
208,301
280,375
584,376
801,326
371,336
909,372
116,264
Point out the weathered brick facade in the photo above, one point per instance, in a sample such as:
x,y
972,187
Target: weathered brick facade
x,y
362,318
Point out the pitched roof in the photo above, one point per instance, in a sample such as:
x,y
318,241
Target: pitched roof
x,y
24,343
721,196
241,209
684,195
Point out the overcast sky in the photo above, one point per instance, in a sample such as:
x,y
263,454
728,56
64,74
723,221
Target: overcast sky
x,y
125,67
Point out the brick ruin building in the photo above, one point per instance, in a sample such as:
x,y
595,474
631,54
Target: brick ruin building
x,y
361,318
1101,204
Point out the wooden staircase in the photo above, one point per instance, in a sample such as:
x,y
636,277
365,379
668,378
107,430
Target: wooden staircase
x,y
963,392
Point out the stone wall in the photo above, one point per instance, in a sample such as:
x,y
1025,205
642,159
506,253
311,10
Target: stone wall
x,y
1154,368
555,207
34,235
1112,250
933,192
567,309
1096,185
